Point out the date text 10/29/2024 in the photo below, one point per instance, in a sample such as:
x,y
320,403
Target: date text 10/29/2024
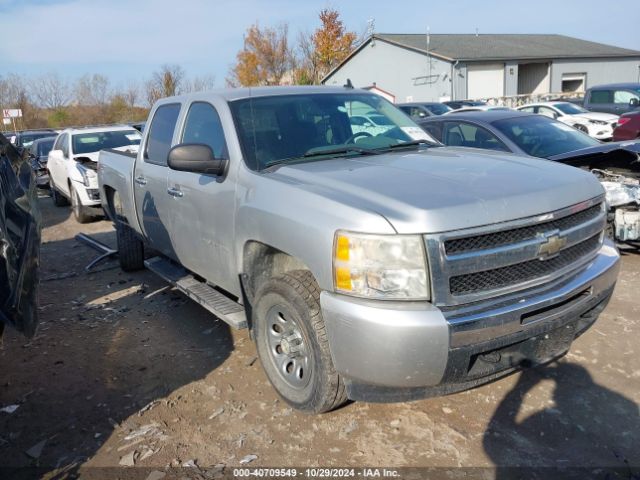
x,y
315,472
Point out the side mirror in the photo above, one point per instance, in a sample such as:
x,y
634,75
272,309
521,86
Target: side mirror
x,y
195,158
55,154
634,102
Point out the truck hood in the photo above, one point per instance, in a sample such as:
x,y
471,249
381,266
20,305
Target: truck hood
x,y
445,188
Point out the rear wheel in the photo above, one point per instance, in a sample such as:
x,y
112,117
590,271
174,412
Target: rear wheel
x,y
130,247
292,343
79,211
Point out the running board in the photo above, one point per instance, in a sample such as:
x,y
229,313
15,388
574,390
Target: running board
x,y
221,306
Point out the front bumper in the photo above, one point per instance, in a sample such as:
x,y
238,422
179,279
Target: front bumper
x,y
600,132
89,197
398,351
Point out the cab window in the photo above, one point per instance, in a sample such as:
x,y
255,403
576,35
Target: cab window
x,y
161,134
203,125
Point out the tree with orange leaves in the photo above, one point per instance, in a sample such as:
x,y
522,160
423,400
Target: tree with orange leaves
x,y
265,58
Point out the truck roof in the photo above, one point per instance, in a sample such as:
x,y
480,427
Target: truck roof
x,y
230,94
632,85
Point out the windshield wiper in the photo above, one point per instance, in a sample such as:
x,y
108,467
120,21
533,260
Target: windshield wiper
x,y
413,143
321,153
336,151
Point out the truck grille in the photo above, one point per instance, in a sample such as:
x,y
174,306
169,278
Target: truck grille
x,y
475,264
498,239
521,272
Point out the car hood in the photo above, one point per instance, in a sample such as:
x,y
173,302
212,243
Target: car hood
x,y
445,188
631,146
605,117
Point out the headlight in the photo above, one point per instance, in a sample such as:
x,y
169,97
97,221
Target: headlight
x,y
597,122
380,266
87,174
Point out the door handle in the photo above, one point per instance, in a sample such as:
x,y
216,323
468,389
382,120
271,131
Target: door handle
x,y
141,181
175,192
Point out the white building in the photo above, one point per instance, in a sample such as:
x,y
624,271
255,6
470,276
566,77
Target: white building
x,y
438,67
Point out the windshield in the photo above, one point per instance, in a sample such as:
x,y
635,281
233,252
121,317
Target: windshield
x,y
570,108
43,147
438,108
94,142
282,129
544,137
28,138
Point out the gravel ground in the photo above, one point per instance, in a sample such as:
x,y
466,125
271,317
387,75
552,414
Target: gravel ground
x,y
125,371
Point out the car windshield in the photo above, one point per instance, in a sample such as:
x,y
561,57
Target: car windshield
x,y
96,141
292,128
438,108
570,108
543,137
28,138
43,147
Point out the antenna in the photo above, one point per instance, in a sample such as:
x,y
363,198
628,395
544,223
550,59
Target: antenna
x,y
371,28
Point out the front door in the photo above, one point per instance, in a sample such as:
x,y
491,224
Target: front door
x,y
153,203
202,206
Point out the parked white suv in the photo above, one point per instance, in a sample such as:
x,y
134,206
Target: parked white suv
x,y
73,163
595,124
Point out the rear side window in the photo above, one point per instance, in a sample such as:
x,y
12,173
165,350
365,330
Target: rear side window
x,y
203,126
161,133
601,96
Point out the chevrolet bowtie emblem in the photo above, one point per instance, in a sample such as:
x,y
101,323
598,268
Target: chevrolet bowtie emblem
x,y
552,245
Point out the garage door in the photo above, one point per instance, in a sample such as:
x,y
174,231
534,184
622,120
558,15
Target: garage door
x,y
485,81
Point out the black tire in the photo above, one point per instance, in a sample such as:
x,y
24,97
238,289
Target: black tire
x,y
80,212
294,299
130,247
59,200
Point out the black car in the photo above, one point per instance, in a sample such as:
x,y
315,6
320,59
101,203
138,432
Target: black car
x,y
23,140
20,240
456,104
421,110
38,156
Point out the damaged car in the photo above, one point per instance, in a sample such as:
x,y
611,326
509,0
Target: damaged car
x,y
19,241
616,164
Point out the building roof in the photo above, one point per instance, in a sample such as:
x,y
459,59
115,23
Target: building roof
x,y
472,47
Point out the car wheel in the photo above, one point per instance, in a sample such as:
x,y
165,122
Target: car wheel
x,y
80,212
292,343
130,247
59,200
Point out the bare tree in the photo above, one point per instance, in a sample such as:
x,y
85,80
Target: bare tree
x,y
166,82
131,93
200,84
51,91
92,90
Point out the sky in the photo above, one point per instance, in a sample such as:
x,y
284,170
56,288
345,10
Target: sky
x,y
127,40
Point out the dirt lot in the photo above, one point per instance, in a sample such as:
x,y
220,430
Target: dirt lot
x,y
126,371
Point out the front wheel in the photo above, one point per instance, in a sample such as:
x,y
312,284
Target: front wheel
x,y
58,199
292,343
79,211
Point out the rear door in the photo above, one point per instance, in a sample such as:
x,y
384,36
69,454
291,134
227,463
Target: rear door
x,y
601,101
152,201
202,206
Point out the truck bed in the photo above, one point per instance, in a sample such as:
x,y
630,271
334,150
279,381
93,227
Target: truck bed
x,y
115,173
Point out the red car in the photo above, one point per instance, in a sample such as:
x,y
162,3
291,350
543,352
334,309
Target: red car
x,y
628,127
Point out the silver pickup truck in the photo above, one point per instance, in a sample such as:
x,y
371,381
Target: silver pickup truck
x,y
368,261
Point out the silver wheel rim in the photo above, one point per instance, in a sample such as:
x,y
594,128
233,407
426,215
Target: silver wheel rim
x,y
287,347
